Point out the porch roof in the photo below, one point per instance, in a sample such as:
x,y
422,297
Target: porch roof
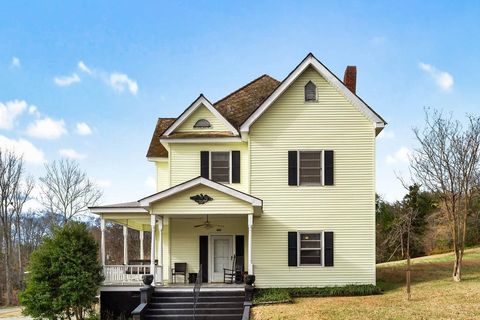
x,y
145,205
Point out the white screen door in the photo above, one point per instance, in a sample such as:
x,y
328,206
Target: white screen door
x,y
221,256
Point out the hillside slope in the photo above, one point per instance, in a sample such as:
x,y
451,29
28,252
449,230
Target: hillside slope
x,y
434,294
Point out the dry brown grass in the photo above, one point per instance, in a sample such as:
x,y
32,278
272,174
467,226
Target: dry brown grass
x,y
434,295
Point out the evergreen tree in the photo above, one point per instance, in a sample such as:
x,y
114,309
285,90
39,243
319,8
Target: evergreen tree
x,y
64,275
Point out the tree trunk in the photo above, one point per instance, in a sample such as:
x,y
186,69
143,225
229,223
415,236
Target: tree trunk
x,y
8,282
20,264
457,266
409,295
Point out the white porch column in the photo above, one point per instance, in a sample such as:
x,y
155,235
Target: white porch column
x,y
160,248
102,240
125,245
141,245
152,248
250,224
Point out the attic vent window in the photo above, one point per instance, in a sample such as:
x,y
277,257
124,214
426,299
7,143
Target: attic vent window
x,y
202,123
310,91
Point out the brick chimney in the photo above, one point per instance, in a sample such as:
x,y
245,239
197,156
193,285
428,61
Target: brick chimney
x,y
350,78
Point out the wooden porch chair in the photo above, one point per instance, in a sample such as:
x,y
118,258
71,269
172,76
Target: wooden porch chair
x,y
234,275
180,268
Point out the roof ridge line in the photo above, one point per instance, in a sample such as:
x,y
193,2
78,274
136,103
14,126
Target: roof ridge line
x,y
243,87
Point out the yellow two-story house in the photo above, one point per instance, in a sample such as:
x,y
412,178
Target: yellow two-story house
x,y
277,179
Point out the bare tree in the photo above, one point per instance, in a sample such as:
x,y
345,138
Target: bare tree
x,y
13,194
408,216
446,163
66,189
18,202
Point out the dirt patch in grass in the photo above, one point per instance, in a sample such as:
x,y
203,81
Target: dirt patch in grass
x,y
434,295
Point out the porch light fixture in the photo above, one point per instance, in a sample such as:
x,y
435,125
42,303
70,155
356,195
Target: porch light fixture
x,y
201,198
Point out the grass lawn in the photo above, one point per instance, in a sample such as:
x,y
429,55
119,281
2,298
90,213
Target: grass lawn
x,y
434,295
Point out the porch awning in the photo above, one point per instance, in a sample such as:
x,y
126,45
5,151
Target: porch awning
x,y
178,200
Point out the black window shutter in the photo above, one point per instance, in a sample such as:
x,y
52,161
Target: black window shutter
x,y
204,257
204,164
292,168
292,249
239,245
328,167
328,237
235,166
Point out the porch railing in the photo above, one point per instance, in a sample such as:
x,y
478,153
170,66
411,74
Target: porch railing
x,y
129,273
196,290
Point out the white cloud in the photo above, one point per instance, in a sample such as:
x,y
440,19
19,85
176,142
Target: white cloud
x,y
120,81
15,62
9,111
151,183
22,147
83,129
386,134
66,81
83,67
47,128
102,183
402,155
443,79
34,111
71,154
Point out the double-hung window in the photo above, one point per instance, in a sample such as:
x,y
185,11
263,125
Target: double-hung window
x,y
310,167
310,253
220,166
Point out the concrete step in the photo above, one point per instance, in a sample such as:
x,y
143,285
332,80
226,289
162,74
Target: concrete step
x,y
197,317
208,292
200,299
189,305
199,311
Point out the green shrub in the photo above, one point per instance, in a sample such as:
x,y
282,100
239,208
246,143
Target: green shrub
x,y
272,295
279,295
344,291
64,275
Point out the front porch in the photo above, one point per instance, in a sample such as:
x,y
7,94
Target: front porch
x,y
184,229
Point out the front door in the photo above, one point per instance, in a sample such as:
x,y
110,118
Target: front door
x,y
222,254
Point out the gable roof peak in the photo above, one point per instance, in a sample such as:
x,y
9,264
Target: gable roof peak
x,y
311,61
200,101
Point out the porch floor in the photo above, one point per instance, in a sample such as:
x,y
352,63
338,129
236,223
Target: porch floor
x,y
169,286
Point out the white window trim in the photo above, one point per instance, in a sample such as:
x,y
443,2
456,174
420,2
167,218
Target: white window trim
x,y
322,249
202,128
322,157
316,93
229,165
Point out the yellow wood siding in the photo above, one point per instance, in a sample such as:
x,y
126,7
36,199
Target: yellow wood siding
x,y
202,113
185,238
181,204
185,161
347,208
163,176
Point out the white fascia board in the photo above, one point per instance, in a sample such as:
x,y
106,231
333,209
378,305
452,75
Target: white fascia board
x,y
202,140
157,159
200,181
310,60
100,210
201,100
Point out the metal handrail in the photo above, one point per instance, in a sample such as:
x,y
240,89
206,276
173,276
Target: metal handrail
x,y
196,290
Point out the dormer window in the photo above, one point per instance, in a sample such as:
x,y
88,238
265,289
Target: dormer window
x,y
202,123
310,91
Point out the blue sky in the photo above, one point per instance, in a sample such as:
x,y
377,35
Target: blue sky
x,y
88,80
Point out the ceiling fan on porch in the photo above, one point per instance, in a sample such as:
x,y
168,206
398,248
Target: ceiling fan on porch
x,y
208,225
